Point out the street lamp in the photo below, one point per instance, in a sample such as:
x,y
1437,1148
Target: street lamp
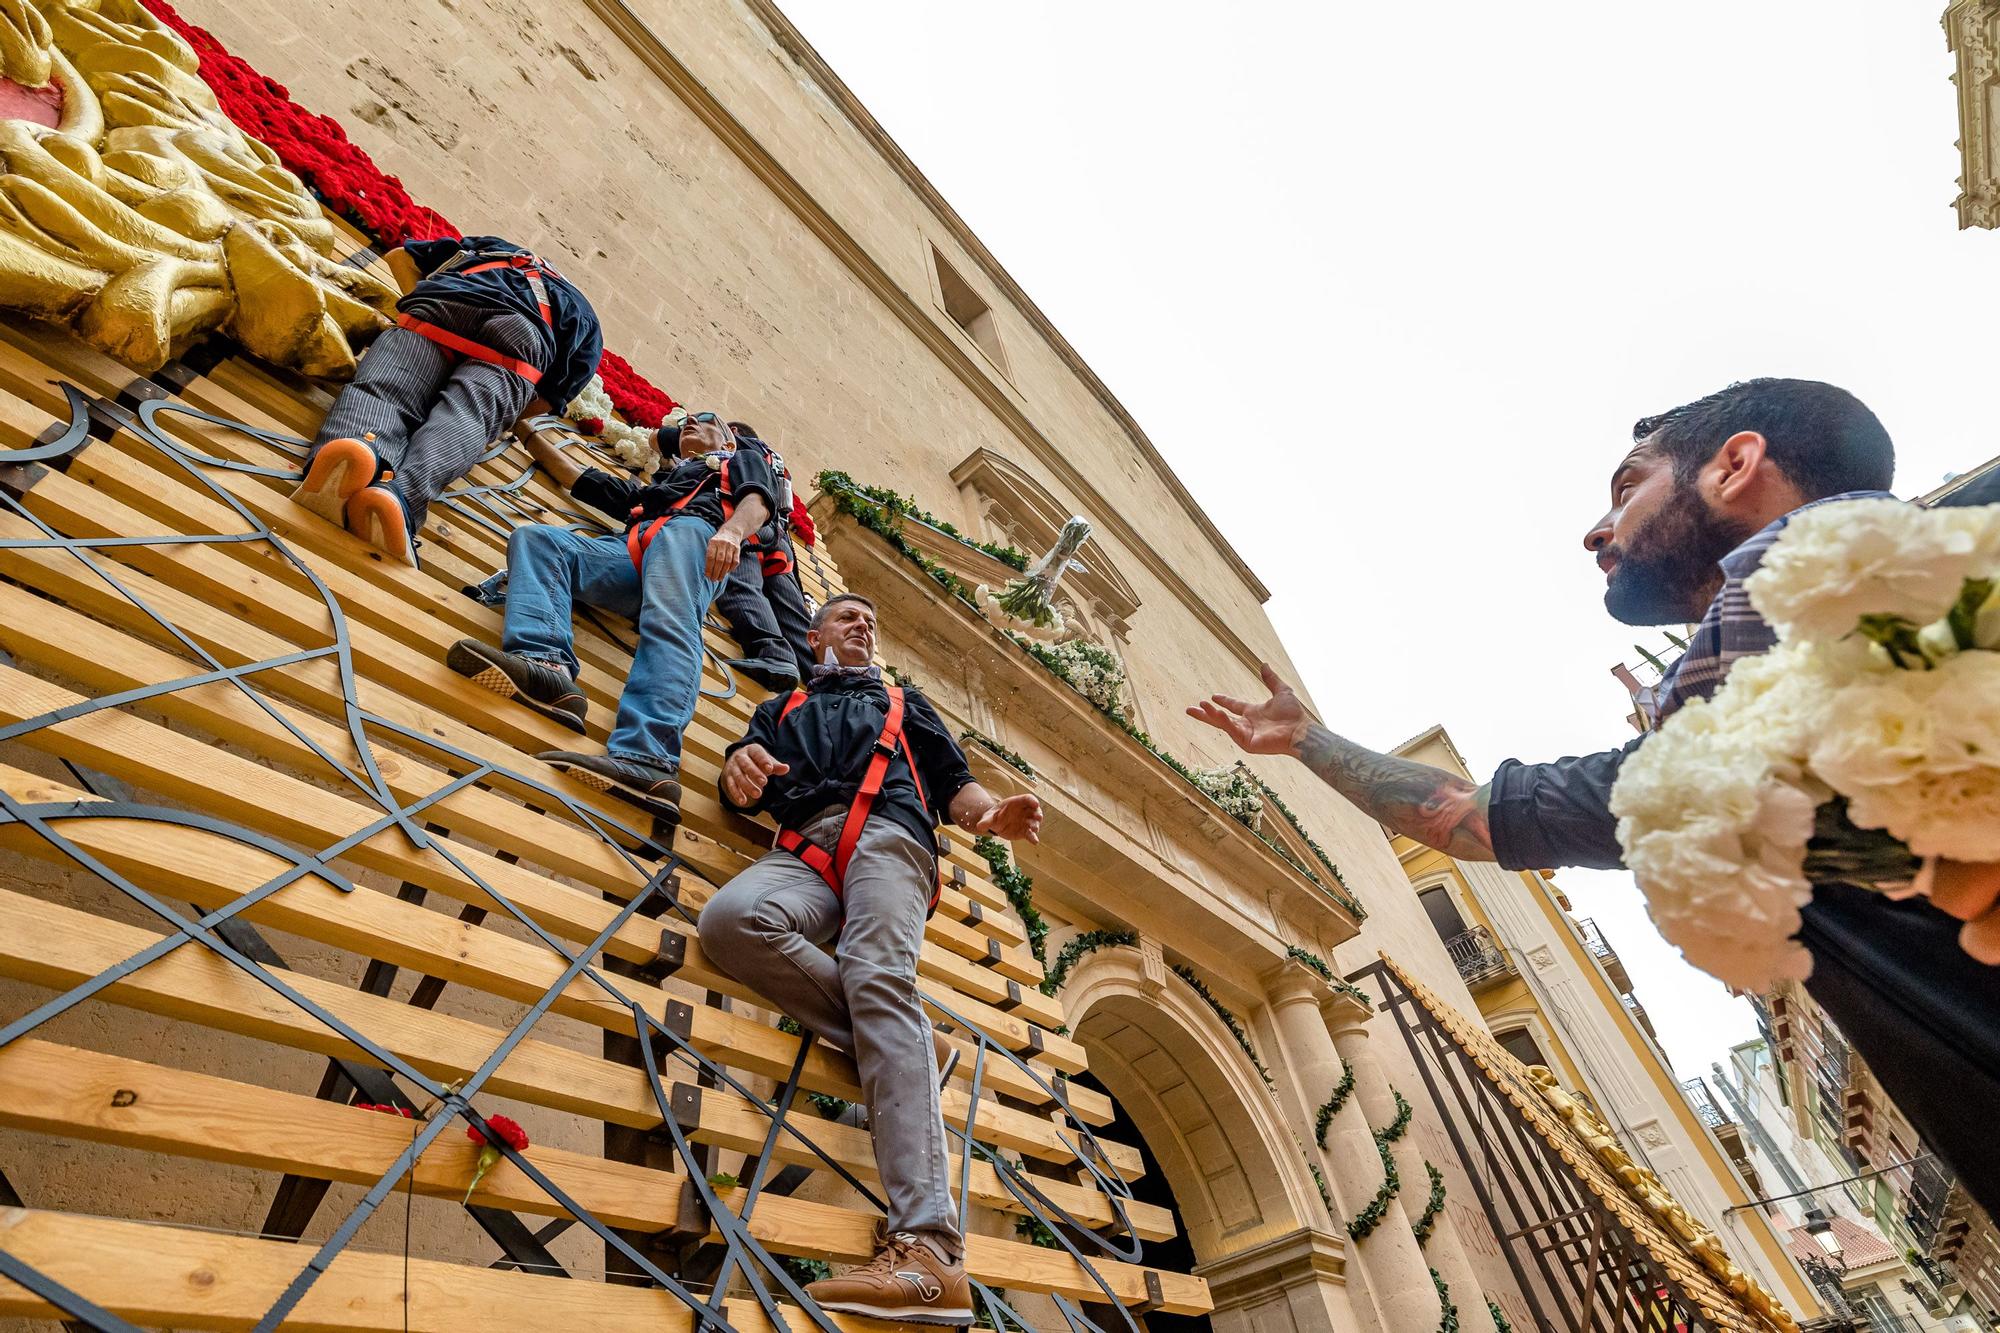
x,y
1820,1228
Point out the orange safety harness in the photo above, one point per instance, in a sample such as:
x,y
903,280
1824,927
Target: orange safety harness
x,y
530,268
832,867
640,535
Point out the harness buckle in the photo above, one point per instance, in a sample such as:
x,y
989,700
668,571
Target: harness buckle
x,y
880,747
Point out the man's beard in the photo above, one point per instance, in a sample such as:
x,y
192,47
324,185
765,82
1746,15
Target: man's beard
x,y
1667,574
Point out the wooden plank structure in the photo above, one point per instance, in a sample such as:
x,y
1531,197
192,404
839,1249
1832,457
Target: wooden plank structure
x,y
211,700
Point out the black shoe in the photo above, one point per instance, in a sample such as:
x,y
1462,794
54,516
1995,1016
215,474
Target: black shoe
x,y
546,689
775,674
647,786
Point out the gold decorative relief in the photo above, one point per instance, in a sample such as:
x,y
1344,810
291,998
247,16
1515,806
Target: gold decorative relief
x,y
134,213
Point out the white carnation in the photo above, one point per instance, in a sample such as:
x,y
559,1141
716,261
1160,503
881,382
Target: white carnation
x,y
1965,711
1875,733
1835,563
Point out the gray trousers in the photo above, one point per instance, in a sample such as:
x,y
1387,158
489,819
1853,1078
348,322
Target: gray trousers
x,y
433,412
766,928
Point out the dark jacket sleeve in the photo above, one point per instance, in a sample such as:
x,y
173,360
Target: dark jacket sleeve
x,y
940,762
579,344
750,474
1542,816
427,255
763,731
611,495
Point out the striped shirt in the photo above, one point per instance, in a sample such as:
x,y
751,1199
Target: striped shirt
x,y
1732,628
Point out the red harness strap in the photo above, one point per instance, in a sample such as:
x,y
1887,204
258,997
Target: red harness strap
x,y
531,268
832,867
640,535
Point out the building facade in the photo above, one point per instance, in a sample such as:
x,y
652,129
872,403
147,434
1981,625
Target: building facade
x,y
1220,1063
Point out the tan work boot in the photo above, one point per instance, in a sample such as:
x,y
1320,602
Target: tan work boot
x,y
909,1280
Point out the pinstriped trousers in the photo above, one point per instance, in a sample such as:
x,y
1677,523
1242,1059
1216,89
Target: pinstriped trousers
x,y
433,412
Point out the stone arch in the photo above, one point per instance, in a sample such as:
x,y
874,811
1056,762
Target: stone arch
x,y
1237,1171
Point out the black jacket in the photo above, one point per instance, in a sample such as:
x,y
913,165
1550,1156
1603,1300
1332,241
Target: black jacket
x,y
826,743
576,340
749,474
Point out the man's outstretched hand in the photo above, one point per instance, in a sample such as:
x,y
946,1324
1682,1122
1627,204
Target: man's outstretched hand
x,y
746,771
1271,727
1015,819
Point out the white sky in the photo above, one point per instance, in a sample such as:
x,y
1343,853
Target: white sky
x,y
1441,256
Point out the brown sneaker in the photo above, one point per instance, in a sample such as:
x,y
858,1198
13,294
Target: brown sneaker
x,y
908,1280
538,685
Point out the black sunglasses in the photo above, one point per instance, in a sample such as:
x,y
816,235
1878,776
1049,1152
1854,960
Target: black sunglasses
x,y
706,418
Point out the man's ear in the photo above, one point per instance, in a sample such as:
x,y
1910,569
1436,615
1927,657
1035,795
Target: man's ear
x,y
1742,463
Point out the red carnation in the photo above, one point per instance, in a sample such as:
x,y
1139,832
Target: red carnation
x,y
402,1111
499,1129
592,425
802,522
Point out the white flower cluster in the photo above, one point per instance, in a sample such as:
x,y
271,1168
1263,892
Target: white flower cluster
x,y
1884,689
632,445
1232,788
1091,672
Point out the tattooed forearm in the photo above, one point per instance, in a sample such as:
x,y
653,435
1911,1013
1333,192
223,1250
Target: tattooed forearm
x,y
1437,808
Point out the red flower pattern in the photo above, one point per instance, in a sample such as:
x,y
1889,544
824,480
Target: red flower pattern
x,y
504,1130
317,150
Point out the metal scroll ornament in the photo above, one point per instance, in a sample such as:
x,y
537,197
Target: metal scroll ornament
x,y
135,214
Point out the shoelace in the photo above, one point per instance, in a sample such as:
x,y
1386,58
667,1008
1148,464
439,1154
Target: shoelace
x,y
895,1251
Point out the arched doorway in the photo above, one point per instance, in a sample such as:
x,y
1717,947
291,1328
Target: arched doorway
x,y
1238,1177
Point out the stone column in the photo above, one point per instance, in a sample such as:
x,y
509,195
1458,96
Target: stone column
x,y
1388,1282
1443,1251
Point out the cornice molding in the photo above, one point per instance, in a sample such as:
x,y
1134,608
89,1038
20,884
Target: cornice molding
x,y
999,397
1972,34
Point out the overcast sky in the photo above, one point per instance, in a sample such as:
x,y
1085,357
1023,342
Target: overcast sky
x,y
1439,258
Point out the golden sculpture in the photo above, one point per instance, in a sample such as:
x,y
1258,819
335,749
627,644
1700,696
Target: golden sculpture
x,y
133,212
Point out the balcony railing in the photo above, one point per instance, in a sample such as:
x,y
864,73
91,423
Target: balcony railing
x,y
1593,939
1704,1103
1476,957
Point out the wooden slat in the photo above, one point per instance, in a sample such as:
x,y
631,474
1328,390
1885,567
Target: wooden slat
x,y
67,1092
60,947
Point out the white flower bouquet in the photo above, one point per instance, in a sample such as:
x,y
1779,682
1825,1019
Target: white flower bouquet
x,y
592,411
1866,743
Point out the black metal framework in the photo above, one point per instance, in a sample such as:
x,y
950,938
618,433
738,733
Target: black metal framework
x,y
700,1275
1579,1267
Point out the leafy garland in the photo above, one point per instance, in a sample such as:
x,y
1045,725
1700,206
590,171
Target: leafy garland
x,y
1318,966
1088,942
883,516
880,521
1426,1224
1036,1232
1448,1316
1499,1316
1331,1107
805,1271
829,1106
1020,890
1325,1196
986,742
897,507
1365,1221
1186,973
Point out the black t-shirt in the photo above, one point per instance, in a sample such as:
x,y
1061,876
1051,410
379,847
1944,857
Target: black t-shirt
x,y
827,741
749,472
576,340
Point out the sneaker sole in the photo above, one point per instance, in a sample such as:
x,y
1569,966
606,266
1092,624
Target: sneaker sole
x,y
482,671
665,811
901,1314
338,472
376,518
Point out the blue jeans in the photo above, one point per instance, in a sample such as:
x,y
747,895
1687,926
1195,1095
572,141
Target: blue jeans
x,y
549,568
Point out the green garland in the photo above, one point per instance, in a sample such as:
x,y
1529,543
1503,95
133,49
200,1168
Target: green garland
x,y
829,1106
1331,1107
1325,1196
1186,973
1363,1223
1425,1225
1318,966
987,742
886,524
1318,851
899,507
805,1271
1499,1316
1088,942
1448,1313
1020,890
1032,1230
1402,1121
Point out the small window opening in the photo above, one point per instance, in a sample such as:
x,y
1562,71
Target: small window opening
x,y
968,309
